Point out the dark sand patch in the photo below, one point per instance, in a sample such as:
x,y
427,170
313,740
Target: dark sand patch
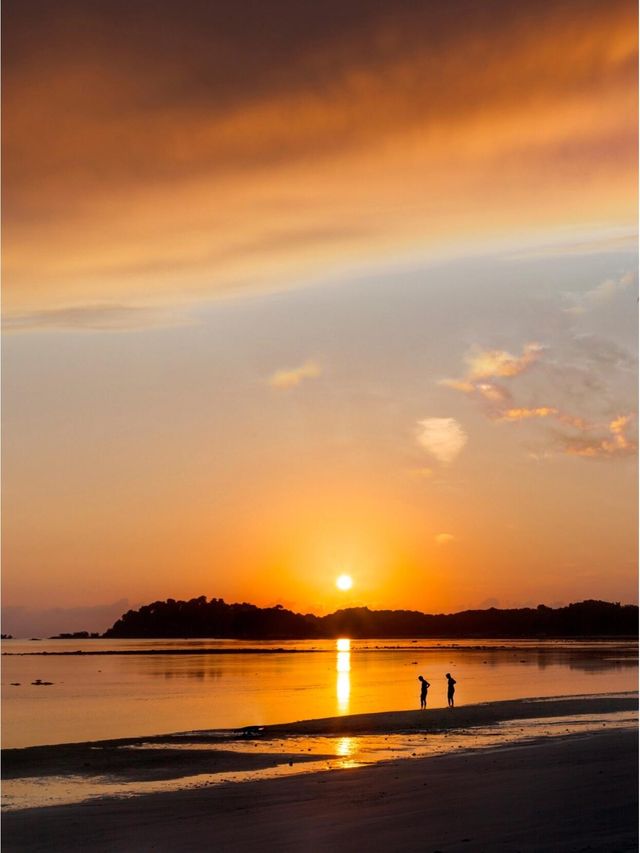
x,y
136,765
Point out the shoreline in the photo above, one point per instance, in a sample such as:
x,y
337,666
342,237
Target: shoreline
x,y
72,773
431,720
556,794
463,716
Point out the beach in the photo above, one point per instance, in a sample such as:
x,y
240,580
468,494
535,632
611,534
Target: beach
x,y
571,792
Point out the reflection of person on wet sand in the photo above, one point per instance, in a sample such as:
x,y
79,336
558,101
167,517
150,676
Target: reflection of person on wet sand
x,y
424,686
450,689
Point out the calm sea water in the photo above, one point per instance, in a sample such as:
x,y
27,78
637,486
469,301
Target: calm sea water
x,y
98,697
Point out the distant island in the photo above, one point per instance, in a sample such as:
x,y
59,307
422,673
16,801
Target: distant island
x,y
78,635
200,617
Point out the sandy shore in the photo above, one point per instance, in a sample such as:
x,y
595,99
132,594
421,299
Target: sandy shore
x,y
466,716
569,795
573,793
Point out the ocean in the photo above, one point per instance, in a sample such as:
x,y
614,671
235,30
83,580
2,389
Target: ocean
x,y
146,687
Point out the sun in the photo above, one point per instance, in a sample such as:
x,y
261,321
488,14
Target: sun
x,y
344,582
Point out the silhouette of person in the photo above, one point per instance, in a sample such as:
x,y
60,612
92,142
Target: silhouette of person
x,y
450,689
424,686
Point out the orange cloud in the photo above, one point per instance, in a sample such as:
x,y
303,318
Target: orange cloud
x,y
585,443
581,436
573,421
617,443
523,414
486,364
492,392
495,363
173,169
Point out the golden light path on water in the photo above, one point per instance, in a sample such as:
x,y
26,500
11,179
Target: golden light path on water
x,y
343,669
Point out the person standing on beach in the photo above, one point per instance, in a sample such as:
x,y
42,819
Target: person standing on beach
x,y
424,686
450,689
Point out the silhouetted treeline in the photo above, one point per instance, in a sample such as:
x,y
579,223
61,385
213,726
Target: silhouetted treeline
x,y
78,635
214,618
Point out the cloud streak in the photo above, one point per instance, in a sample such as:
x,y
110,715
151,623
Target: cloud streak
x,y
292,377
524,414
600,295
95,318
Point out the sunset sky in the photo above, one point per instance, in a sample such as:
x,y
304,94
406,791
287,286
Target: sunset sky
x,y
299,289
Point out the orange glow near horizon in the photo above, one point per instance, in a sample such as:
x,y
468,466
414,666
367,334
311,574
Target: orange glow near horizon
x,y
380,356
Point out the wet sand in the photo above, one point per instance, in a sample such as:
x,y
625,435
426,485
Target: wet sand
x,y
115,758
574,793
467,716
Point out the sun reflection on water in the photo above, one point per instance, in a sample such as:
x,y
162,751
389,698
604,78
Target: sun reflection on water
x,y
343,681
345,747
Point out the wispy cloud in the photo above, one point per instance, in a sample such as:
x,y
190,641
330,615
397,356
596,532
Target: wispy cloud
x,y
521,414
95,318
583,438
484,367
291,377
582,377
484,364
591,243
490,391
603,293
444,538
443,438
617,441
